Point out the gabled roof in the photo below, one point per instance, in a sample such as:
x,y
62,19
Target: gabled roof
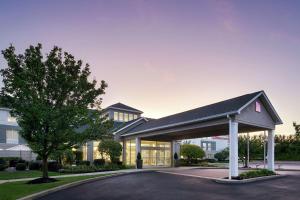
x,y
221,109
121,106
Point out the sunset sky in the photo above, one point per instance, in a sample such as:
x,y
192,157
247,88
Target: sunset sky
x,y
168,56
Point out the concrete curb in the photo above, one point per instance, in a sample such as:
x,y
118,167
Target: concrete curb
x,y
250,180
77,183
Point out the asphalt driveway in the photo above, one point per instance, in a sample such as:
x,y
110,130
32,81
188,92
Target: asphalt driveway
x,y
155,185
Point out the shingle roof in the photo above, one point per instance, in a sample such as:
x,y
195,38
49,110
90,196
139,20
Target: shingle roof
x,y
123,107
216,109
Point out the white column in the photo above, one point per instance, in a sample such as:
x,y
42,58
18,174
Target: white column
x,y
271,145
233,149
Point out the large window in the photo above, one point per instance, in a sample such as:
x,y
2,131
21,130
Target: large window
x,y
135,116
12,137
130,152
156,153
208,145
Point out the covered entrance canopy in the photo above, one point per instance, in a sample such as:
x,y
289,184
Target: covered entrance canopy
x,y
243,114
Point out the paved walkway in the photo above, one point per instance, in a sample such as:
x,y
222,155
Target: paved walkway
x,y
83,174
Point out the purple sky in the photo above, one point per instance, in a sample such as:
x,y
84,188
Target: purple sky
x,y
165,57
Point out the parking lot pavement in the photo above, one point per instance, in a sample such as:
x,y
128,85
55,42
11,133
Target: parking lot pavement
x,y
154,185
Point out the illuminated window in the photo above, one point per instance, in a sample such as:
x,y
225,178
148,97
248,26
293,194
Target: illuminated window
x,y
125,117
135,116
116,116
12,137
257,107
121,117
130,117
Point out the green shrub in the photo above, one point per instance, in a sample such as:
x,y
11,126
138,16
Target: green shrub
x,y
21,167
222,155
99,162
35,165
191,152
3,164
175,156
54,166
256,173
83,162
92,168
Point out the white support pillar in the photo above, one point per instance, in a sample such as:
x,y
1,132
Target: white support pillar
x,y
271,145
137,146
233,149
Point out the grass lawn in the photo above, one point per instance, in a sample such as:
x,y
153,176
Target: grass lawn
x,y
4,175
14,190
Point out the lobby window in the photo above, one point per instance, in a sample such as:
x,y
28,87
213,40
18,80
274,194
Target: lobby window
x,y
135,116
121,117
130,117
125,117
116,116
12,137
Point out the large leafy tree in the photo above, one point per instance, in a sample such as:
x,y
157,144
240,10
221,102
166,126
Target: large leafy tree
x,y
56,104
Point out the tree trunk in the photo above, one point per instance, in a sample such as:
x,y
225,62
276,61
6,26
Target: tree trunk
x,y
45,167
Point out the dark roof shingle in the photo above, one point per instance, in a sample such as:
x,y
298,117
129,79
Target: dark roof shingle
x,y
227,106
123,107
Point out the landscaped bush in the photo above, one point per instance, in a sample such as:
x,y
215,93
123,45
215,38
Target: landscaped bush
x,y
92,168
21,167
3,164
83,162
222,155
35,165
54,166
256,173
99,162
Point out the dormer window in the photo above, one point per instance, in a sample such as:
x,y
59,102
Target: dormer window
x,y
257,107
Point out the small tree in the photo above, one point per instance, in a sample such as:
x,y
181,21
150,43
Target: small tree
x,y
51,99
191,151
111,148
222,155
297,128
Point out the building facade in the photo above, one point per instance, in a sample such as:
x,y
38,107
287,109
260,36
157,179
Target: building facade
x,y
158,139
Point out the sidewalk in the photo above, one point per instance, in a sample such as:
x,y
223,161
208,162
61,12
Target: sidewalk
x,y
124,171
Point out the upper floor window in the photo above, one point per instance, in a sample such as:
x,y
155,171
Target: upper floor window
x,y
116,116
130,117
135,116
126,117
12,137
121,117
